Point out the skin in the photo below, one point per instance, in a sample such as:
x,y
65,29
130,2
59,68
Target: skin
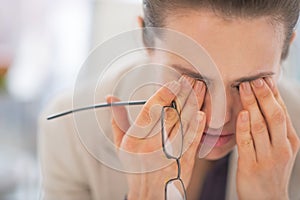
x,y
255,113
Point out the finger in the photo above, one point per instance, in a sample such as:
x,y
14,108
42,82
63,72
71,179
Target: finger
x,y
172,131
151,111
244,139
258,126
192,99
186,88
119,113
171,121
120,122
192,104
118,134
291,132
193,136
168,120
272,111
178,142
200,90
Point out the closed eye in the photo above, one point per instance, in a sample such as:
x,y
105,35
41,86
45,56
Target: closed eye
x,y
197,78
236,86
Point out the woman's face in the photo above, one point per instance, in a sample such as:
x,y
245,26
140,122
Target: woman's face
x,y
242,49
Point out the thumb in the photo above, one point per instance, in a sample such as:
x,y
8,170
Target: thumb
x,y
120,122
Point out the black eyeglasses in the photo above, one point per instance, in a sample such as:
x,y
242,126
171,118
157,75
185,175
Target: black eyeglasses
x,y
101,105
172,150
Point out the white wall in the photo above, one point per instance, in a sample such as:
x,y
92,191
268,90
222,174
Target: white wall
x,y
112,17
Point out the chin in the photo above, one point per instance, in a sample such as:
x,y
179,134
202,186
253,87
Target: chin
x,y
219,152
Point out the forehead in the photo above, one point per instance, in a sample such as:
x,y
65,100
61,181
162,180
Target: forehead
x,y
237,46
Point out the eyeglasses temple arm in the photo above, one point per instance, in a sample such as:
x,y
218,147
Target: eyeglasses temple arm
x,y
102,105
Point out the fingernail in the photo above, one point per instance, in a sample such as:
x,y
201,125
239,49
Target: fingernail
x,y
111,99
183,78
270,82
246,87
186,80
200,116
258,83
199,86
174,87
107,98
244,116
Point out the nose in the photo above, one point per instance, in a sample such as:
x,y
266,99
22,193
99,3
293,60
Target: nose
x,y
218,108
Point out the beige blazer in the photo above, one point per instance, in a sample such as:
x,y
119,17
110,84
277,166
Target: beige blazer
x,y
70,172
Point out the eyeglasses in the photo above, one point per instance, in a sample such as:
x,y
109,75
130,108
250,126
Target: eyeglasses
x,y
102,105
174,188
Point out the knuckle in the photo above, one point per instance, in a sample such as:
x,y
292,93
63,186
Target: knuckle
x,y
149,147
144,117
163,99
294,141
278,116
250,101
243,128
297,144
129,146
245,142
265,94
285,155
171,116
258,127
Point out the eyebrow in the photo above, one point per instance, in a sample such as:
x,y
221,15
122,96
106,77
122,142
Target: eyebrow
x,y
190,73
199,76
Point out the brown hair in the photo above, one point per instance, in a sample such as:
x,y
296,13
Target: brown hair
x,y
285,12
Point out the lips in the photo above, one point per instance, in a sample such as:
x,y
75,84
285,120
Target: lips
x,y
216,139
216,132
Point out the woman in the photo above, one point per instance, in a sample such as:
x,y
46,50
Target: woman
x,y
247,40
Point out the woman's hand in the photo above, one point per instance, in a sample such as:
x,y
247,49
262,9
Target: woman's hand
x,y
144,136
267,143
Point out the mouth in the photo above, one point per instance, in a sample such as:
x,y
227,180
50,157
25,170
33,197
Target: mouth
x,y
217,140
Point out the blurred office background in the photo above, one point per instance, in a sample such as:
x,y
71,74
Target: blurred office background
x,y
42,46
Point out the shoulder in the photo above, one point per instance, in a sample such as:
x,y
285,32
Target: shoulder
x,y
68,152
58,154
